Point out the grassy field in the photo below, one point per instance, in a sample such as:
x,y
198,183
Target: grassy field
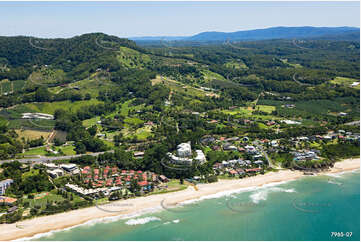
x,y
295,65
32,134
132,58
236,64
50,108
209,75
345,81
265,108
90,122
67,149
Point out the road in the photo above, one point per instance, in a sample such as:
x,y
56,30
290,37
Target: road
x,y
51,158
297,81
260,147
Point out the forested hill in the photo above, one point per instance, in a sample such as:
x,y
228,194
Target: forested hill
x,y
73,55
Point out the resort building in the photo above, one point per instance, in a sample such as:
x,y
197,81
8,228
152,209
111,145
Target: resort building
x,y
184,150
5,184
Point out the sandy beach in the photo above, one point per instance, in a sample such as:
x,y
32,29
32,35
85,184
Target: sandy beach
x,y
31,227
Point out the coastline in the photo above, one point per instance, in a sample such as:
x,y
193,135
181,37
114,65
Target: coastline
x,y
140,205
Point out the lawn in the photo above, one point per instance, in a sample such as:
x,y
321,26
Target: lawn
x,y
35,151
67,149
133,121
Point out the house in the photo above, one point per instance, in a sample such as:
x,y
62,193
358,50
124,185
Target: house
x,y
290,105
253,170
290,122
240,171
139,154
229,146
217,166
233,172
163,178
12,209
232,139
5,184
50,166
258,162
149,123
55,173
7,200
69,167
207,140
342,114
250,149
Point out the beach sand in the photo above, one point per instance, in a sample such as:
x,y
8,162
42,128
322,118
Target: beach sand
x,y
31,227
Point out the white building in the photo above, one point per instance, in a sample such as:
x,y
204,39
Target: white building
x,y
184,149
5,184
290,122
200,158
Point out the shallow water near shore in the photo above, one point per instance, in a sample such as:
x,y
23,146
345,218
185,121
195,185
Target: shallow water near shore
x,y
310,208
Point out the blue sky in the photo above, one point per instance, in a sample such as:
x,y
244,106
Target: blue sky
x,y
130,19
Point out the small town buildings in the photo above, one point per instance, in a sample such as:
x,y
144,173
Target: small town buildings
x,y
5,184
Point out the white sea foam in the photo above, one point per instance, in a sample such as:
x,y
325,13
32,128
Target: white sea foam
x,y
176,221
142,220
95,221
262,194
153,210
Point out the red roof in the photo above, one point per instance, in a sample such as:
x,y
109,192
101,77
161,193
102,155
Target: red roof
x,y
254,169
96,171
233,172
84,171
139,172
87,168
143,183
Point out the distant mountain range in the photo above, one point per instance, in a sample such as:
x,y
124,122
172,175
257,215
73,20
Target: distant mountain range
x,y
333,33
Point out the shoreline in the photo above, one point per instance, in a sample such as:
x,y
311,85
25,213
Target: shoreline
x,y
39,226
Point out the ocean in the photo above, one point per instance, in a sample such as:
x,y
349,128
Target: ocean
x,y
323,207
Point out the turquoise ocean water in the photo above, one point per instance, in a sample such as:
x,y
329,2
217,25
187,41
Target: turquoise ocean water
x,y
307,209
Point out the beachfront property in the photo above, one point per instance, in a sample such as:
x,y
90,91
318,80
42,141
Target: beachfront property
x,y
110,178
7,200
305,155
184,150
184,155
5,184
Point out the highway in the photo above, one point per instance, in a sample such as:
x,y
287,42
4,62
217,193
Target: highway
x,y
45,159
